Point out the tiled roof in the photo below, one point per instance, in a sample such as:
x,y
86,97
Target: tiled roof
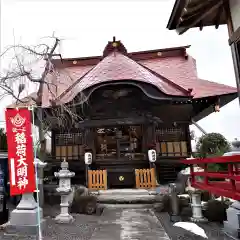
x,y
184,73
205,88
117,66
64,79
171,71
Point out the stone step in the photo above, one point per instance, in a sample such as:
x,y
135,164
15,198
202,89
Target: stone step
x,y
124,192
131,206
132,199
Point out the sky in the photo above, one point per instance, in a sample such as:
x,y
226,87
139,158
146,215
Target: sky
x,y
85,27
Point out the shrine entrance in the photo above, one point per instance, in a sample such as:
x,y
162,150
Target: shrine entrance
x,y
116,145
118,142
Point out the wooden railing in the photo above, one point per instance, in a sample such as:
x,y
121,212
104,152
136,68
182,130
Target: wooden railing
x,y
145,178
229,181
97,179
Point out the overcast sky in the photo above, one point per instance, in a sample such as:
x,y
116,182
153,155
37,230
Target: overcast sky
x,y
86,26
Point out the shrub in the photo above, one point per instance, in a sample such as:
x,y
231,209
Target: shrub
x,y
84,204
212,144
216,211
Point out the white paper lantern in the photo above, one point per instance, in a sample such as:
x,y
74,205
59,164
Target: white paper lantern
x,y
152,156
88,158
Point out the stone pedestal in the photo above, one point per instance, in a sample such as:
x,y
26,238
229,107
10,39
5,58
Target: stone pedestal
x,y
27,216
64,216
232,225
24,219
40,166
196,205
174,217
64,190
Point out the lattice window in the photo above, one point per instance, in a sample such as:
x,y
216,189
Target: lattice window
x,y
171,141
69,145
170,134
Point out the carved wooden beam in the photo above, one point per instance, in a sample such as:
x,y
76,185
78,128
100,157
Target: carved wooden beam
x,y
235,37
216,4
112,122
218,17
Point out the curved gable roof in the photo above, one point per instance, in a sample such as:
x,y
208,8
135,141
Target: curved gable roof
x,y
170,70
115,67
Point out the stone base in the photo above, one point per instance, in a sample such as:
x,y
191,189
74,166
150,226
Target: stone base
x,y
64,218
232,225
25,221
25,217
24,230
229,230
198,220
175,218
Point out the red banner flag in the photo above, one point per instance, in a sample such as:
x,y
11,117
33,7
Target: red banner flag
x,y
20,151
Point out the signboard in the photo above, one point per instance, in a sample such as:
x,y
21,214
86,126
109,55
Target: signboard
x,y
20,151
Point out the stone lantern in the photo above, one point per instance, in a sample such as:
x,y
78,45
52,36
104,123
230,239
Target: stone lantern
x,y
64,190
195,195
236,145
197,215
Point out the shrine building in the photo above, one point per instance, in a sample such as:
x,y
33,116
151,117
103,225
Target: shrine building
x,y
128,103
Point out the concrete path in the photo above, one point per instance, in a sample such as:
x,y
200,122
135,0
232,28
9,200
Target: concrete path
x,y
137,224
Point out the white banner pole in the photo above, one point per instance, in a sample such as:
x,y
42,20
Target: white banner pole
x,y
36,176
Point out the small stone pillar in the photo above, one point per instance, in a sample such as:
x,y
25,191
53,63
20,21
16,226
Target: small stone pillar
x,y
64,190
196,205
174,203
232,225
40,166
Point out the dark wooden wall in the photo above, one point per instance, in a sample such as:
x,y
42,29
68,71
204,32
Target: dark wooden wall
x,y
164,123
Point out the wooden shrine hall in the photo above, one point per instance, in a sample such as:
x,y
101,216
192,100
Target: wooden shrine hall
x,y
128,103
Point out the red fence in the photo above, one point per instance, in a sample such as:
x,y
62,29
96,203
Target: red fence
x,y
225,184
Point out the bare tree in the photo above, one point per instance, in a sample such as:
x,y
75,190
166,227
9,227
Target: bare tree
x,y
30,67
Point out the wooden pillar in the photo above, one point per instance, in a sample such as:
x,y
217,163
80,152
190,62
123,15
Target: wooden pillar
x,y
150,135
189,145
118,149
154,131
53,144
93,142
144,137
233,45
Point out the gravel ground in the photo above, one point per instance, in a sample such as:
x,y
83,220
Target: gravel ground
x,y
81,229
85,227
212,230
